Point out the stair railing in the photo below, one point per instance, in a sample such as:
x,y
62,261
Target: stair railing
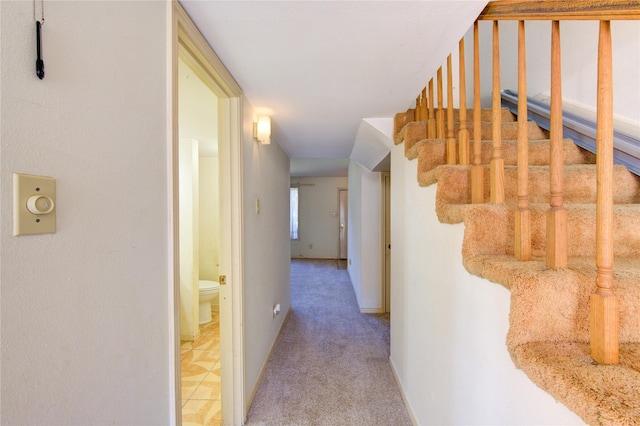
x,y
604,324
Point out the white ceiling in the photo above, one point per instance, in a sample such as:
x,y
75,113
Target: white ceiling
x,y
323,66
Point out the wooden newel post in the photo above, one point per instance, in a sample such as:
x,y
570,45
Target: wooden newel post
x,y
497,162
556,215
603,321
477,172
431,122
463,133
451,139
522,247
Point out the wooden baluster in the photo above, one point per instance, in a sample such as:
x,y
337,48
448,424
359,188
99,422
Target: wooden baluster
x,y
477,171
451,139
603,322
416,112
463,133
556,215
497,162
431,123
423,109
440,111
522,246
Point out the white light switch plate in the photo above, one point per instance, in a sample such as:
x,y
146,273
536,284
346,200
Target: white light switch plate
x,y
34,204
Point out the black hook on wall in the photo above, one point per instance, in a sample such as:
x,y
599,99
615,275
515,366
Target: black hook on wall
x,y
39,61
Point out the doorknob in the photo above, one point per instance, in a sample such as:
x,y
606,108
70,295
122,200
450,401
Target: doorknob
x,y
342,226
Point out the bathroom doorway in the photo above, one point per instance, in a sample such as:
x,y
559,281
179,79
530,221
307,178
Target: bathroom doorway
x,y
193,61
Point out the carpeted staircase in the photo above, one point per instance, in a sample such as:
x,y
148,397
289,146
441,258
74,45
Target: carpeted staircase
x,y
548,337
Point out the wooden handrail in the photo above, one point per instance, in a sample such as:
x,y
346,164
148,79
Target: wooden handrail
x,y
477,171
603,329
497,162
451,140
522,248
556,215
517,10
463,132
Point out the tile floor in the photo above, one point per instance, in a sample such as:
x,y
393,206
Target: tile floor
x,y
200,377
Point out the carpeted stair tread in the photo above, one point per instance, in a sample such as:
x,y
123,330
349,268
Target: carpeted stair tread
x,y
413,131
580,184
489,229
431,152
402,118
600,395
416,131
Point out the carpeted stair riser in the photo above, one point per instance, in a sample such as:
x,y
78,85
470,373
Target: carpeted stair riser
x,y
553,306
489,229
415,131
580,184
432,153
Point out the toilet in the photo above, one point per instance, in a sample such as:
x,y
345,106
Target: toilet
x,y
208,294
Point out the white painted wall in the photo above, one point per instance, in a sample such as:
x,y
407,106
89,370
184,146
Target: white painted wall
x,y
267,256
318,229
85,311
365,237
448,328
579,47
209,219
189,224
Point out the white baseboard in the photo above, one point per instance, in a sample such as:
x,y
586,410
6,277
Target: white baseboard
x,y
266,362
412,415
372,310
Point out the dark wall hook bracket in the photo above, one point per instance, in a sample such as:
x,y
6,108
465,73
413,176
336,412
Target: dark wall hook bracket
x,y
39,61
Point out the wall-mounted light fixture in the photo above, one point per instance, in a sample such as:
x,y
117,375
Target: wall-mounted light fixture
x,y
262,129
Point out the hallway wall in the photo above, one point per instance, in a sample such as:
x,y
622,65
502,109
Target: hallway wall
x,y
448,328
579,47
365,237
85,311
267,259
318,228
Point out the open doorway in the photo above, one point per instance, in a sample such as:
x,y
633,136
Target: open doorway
x,y
198,59
199,247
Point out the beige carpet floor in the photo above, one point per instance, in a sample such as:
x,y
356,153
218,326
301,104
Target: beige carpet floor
x,y
330,365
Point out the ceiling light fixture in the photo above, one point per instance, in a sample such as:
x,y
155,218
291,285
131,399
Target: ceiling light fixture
x,y
262,129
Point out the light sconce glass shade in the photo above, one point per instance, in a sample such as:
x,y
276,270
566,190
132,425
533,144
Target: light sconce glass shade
x,y
262,129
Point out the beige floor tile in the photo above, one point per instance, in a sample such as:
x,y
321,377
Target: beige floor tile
x,y
185,345
199,360
207,343
210,386
201,413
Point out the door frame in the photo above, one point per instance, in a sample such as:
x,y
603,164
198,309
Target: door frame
x,y
386,218
185,37
346,224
